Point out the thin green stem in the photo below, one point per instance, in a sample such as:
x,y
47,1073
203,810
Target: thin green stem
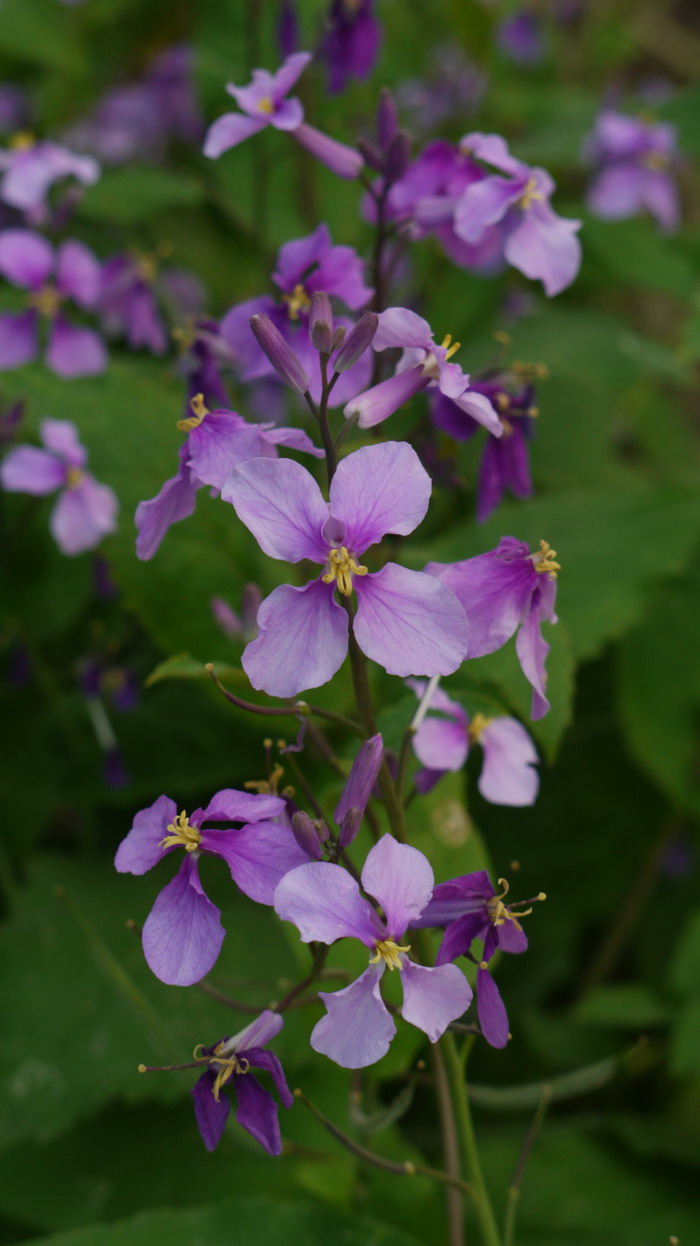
x,y
450,1149
465,1132
521,1164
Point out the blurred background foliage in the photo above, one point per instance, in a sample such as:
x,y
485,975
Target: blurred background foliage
x,y
610,989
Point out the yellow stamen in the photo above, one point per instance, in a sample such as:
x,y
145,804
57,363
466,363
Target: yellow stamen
x,y
341,568
266,787
477,726
200,412
450,349
389,952
22,140
497,910
501,400
146,267
227,1066
182,835
656,160
266,105
74,477
297,301
47,300
530,194
544,561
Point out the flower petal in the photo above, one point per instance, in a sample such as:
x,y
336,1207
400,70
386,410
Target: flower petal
x,y
544,247
495,590
375,405
83,515
358,1028
26,259
493,1017
228,131
258,856
74,351
61,438
211,1115
26,469
182,934
405,626
257,1112
400,327
221,442
78,273
507,775
232,805
459,936
258,1033
379,489
401,879
433,997
532,650
324,903
18,339
268,1061
302,643
176,500
344,161
441,744
281,504
483,204
141,850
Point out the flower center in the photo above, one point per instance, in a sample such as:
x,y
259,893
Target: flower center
x,y
266,104
199,413
477,726
389,952
341,568
499,913
182,835
530,194
21,141
431,367
226,1065
544,561
268,786
297,301
656,160
74,477
47,300
145,267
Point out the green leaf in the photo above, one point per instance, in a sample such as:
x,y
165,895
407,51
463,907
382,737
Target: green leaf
x,y
38,31
183,666
135,195
685,966
634,253
629,1005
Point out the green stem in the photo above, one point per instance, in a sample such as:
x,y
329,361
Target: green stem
x,y
465,1132
519,1173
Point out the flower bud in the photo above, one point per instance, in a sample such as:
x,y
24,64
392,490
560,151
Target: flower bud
x,y
372,157
356,342
309,835
321,323
349,827
280,354
339,337
387,118
397,157
362,778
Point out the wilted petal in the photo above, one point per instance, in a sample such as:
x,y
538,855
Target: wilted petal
x,y
379,489
358,1028
507,775
493,1017
401,879
141,850
74,351
433,997
281,504
230,130
18,339
182,934
302,643
324,903
176,500
544,247
407,627
258,856
83,515
211,1116
26,259
26,469
257,1112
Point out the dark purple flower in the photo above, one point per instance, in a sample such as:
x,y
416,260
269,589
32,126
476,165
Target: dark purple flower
x,y
51,277
507,590
10,420
182,935
400,622
131,289
324,903
202,355
520,37
351,42
31,168
635,159
228,1066
85,511
14,108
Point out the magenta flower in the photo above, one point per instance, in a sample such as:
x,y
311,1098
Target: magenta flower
x,y
263,102
182,935
401,623
324,903
635,159
423,364
217,441
31,168
51,277
351,43
502,591
539,243
85,511
228,1066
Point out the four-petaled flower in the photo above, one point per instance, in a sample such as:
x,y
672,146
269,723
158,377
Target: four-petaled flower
x,y
31,168
635,159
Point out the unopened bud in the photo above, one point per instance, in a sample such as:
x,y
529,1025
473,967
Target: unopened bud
x,y
321,323
306,833
357,341
372,157
397,157
387,118
349,827
280,354
339,336
362,778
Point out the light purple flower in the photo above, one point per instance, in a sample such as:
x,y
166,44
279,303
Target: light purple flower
x,y
217,441
182,935
502,591
131,288
400,622
245,626
51,277
31,168
635,159
536,241
324,903
520,37
443,743
85,511
351,43
264,102
423,364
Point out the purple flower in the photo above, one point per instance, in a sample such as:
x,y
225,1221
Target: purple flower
x,y
635,159
422,364
130,289
228,1066
51,277
400,622
245,626
452,87
443,743
520,37
324,903
182,935
31,168
470,909
502,591
539,243
217,441
85,511
263,102
351,43
14,108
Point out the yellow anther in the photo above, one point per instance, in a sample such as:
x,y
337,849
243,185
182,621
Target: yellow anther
x,y
530,194
181,835
482,965
501,400
227,1066
533,412
449,346
656,160
544,561
22,140
297,301
266,105
389,952
504,338
269,786
47,300
145,266
477,726
199,413
341,568
74,477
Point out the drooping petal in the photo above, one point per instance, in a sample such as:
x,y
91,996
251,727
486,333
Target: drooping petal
x,y
268,1061
303,640
324,903
492,149
288,73
532,650
257,1112
176,500
661,199
509,937
493,1017
26,259
401,879
258,856
459,936
83,515
78,273
358,1027
75,351
398,326
495,590
441,744
230,130
281,504
379,489
211,1115
26,469
141,850
182,934
18,339
232,805
375,405
407,627
544,247
477,406
433,997
507,775
61,438
295,438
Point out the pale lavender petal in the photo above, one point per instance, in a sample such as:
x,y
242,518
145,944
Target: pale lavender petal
x,y
439,701
302,643
295,438
358,1028
27,469
258,1033
176,500
288,73
230,130
400,327
493,1017
258,856
401,879
281,504
26,259
460,934
661,199
288,115
83,515
407,627
211,1115
379,489
495,590
75,351
237,334
507,775
182,934
221,442
480,409
257,1112
140,851
544,247
492,149
78,273
268,1061
232,805
441,744
376,404
483,204
61,438
344,161
324,903
616,192
18,339
433,997
532,650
